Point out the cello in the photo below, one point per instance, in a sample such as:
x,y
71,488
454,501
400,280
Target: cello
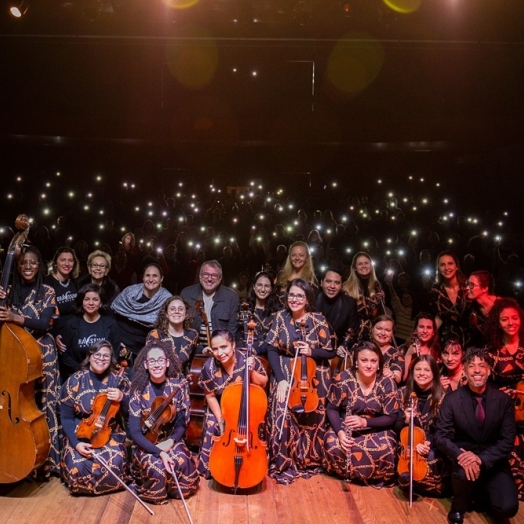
x,y
238,458
24,434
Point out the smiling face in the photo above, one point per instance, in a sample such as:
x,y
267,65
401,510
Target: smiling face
x,y
422,375
65,263
100,361
91,303
176,312
452,357
262,287
297,301
331,284
509,321
210,278
477,373
298,257
447,267
474,289
98,269
363,266
28,266
425,330
152,280
156,363
223,350
382,333
367,364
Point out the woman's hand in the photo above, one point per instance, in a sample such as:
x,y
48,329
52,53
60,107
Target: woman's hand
x,y
168,462
423,449
354,422
386,372
115,395
84,449
345,442
59,344
303,348
445,382
282,390
5,314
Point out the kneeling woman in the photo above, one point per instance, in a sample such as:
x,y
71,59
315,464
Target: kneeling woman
x,y
226,367
81,470
157,375
362,410
424,382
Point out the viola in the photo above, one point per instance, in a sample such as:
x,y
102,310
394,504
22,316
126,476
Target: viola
x,y
162,413
197,401
24,435
303,396
339,364
410,461
238,458
96,428
199,306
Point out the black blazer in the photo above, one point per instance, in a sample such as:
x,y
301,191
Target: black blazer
x,y
457,427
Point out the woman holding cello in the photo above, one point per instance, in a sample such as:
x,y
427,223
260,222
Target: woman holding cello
x,y
158,417
362,410
226,367
299,348
93,401
31,304
421,397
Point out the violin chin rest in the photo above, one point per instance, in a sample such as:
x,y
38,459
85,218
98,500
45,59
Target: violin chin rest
x,y
298,410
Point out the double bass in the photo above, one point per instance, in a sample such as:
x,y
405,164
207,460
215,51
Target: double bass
x,y
24,435
238,458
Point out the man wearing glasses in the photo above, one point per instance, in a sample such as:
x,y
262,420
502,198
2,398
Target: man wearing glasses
x,y
216,303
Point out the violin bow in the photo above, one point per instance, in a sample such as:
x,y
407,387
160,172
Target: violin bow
x,y
106,465
411,444
173,474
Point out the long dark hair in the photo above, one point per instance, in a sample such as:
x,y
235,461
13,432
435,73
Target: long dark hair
x,y
439,279
434,344
16,296
492,330
141,376
307,288
272,304
437,391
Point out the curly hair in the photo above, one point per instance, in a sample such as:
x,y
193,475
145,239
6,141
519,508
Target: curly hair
x,y
95,348
162,323
308,273
493,333
141,375
437,391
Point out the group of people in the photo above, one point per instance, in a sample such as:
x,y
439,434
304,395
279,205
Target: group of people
x,y
332,340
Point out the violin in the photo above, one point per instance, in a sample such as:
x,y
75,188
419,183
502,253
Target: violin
x,y
162,413
410,461
238,458
339,364
303,396
24,434
199,306
96,428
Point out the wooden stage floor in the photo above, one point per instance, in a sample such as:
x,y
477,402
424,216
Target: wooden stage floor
x,y
319,500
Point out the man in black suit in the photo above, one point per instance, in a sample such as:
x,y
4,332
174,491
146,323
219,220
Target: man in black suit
x,y
476,429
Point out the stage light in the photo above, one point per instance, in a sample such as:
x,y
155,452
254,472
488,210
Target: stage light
x,y
19,9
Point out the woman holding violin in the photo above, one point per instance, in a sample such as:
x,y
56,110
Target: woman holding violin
x,y
362,410
158,417
299,348
421,398
424,341
174,327
226,367
505,338
92,403
382,334
31,304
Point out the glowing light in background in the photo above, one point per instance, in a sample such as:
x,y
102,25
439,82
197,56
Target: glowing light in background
x,y
404,7
180,4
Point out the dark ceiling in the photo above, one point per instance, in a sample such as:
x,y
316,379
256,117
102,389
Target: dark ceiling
x,y
312,82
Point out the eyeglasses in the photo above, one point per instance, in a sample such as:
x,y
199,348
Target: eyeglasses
x,y
103,358
31,263
152,361
180,309
470,284
297,298
98,266
211,276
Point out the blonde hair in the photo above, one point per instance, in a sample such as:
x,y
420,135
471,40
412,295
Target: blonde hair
x,y
353,286
307,273
99,253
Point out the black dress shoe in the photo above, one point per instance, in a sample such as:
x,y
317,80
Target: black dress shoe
x,y
455,517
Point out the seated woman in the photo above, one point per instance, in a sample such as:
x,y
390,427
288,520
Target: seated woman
x,y
157,374
423,380
81,471
382,334
452,373
174,327
90,323
226,367
362,410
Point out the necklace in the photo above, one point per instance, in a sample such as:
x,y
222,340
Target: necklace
x,y
63,283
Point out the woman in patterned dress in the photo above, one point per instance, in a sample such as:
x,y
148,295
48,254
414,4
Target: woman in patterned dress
x,y
449,300
505,338
364,287
32,304
174,327
362,410
382,328
82,473
226,367
423,380
452,374
157,373
299,264
298,451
